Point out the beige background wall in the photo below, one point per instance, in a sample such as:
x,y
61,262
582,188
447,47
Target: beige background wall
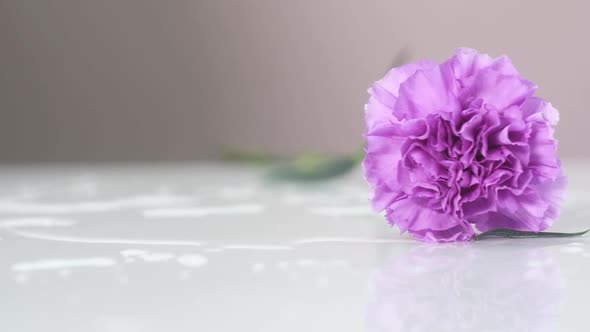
x,y
163,80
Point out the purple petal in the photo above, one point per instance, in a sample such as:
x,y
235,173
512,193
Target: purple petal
x,y
424,223
427,91
499,90
384,93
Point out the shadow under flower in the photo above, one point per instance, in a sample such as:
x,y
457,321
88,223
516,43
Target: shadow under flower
x,y
466,287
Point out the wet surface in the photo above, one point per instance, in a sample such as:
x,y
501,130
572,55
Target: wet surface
x,y
209,247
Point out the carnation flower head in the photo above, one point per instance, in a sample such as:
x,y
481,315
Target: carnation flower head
x,y
461,144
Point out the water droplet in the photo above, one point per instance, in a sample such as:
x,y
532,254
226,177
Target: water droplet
x,y
192,261
258,267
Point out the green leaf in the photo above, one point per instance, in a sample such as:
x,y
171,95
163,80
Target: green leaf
x,y
514,234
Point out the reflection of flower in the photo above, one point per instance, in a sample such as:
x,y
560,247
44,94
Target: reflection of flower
x,y
459,143
461,289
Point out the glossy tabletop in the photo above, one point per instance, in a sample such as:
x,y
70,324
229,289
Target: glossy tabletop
x,y
214,247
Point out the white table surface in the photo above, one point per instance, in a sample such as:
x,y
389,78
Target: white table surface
x,y
211,247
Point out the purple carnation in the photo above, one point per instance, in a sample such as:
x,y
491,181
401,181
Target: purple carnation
x,y
459,143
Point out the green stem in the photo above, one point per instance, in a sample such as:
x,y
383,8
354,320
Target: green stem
x,y
514,234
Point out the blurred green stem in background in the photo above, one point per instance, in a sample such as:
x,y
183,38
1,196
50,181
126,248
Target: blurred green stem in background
x,y
305,167
315,167
231,154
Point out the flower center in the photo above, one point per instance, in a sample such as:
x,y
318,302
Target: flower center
x,y
466,158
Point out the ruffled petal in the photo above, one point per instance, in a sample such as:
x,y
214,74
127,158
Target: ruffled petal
x,y
416,128
380,167
534,211
499,90
384,93
467,63
426,224
396,76
537,110
427,91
